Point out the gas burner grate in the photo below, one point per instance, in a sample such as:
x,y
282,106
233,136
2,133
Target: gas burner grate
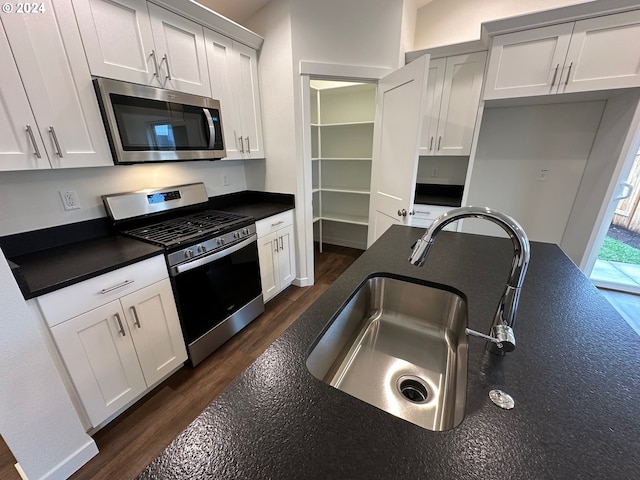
x,y
178,230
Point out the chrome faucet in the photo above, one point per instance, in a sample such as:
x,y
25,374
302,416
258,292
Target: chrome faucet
x,y
501,338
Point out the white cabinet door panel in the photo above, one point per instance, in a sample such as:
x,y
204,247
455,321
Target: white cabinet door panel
x,y
49,55
435,81
286,256
117,39
99,355
249,100
221,59
153,321
17,147
268,255
528,62
182,61
459,106
601,55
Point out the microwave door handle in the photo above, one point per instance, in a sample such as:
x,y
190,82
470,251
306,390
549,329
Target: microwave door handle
x,y
213,257
212,130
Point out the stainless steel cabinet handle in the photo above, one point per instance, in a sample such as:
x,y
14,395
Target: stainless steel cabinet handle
x,y
166,59
248,146
402,213
52,131
136,319
281,244
277,223
155,63
275,244
555,75
241,144
120,326
36,150
568,74
431,144
115,287
439,142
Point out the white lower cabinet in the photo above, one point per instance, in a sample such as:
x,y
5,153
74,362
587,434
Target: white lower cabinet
x,y
117,351
276,251
424,215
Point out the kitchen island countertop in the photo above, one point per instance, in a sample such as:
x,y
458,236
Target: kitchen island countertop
x,y
574,376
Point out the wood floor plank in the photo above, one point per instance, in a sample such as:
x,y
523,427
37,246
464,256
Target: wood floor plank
x,y
136,437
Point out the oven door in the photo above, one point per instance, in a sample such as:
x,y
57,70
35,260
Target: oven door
x,y
214,289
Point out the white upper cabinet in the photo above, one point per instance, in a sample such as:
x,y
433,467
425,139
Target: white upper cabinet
x,y
181,55
604,54
234,81
453,93
128,40
118,40
61,125
593,54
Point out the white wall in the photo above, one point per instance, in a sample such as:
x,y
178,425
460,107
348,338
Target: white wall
x,y
37,418
451,170
514,145
446,22
29,200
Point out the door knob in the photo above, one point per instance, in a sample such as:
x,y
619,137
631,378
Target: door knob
x,y
402,213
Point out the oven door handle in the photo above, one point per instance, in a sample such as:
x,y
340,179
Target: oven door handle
x,y
212,130
185,267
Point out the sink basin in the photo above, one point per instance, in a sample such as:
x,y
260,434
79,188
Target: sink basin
x,y
399,346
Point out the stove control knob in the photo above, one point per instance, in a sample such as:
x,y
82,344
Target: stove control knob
x,y
220,241
202,249
188,253
247,231
237,234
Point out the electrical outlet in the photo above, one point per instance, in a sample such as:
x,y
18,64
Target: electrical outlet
x,y
434,172
69,199
225,179
543,174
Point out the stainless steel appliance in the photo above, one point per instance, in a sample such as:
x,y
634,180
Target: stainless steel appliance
x,y
212,258
147,124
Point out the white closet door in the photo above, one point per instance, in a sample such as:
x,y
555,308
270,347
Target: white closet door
x,y
399,114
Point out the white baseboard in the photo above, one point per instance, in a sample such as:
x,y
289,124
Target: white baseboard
x,y
73,462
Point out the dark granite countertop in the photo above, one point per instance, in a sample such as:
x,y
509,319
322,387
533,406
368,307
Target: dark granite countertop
x,y
52,258
574,375
48,270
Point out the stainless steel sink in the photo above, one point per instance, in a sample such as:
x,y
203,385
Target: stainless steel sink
x,y
400,346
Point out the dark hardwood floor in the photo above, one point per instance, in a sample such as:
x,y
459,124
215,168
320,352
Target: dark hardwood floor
x,y
137,436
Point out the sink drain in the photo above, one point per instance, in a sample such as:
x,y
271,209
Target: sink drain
x,y
413,389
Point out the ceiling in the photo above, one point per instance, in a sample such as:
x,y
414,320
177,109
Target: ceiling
x,y
241,10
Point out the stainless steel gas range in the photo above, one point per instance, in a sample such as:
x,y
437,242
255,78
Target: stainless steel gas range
x,y
212,258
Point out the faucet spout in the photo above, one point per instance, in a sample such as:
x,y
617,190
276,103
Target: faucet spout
x,y
502,325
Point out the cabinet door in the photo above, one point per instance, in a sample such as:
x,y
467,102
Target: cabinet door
x,y
435,81
527,63
19,148
268,255
153,321
459,106
117,39
248,96
286,256
221,60
48,52
99,355
182,60
601,55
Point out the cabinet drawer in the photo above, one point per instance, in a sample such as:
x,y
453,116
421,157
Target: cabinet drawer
x,y
424,215
71,301
274,223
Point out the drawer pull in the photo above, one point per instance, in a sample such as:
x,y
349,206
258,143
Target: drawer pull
x,y
115,287
120,326
277,223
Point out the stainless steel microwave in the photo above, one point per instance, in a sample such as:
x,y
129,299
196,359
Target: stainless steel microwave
x,y
147,124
